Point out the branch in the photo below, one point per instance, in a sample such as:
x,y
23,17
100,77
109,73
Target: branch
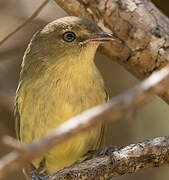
x,y
128,159
112,110
141,27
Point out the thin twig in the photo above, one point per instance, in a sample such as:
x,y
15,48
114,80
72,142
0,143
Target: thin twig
x,y
37,11
14,144
112,110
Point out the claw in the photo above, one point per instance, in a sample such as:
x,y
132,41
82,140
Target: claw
x,y
36,176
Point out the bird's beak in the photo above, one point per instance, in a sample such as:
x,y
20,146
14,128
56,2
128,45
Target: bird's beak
x,y
102,37
99,38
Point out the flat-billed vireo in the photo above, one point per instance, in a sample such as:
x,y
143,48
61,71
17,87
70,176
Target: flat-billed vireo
x,y
59,80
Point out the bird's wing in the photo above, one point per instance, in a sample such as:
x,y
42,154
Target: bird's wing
x,y
17,120
107,96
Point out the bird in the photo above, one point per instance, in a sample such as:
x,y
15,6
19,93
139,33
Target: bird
x,y
58,81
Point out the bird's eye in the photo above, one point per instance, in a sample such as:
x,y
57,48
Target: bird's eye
x,y
69,36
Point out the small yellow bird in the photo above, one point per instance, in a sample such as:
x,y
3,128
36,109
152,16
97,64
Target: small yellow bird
x,y
59,80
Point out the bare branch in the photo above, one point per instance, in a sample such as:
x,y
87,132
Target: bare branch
x,y
141,27
128,159
112,110
14,144
25,22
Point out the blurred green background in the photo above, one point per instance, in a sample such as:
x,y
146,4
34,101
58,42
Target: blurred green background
x,y
150,120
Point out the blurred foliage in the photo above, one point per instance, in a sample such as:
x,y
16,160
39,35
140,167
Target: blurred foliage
x,y
151,120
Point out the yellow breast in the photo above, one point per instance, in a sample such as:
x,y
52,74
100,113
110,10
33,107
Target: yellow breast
x,y
43,104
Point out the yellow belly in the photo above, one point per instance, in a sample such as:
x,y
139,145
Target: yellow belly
x,y
40,122
72,150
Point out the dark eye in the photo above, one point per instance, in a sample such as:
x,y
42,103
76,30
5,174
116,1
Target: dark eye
x,y
69,36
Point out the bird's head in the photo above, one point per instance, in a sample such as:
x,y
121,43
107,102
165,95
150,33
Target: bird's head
x,y
64,39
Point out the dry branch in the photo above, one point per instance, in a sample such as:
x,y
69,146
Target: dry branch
x,y
128,159
112,110
141,27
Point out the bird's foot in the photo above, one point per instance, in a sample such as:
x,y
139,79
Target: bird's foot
x,y
36,176
107,150
100,152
